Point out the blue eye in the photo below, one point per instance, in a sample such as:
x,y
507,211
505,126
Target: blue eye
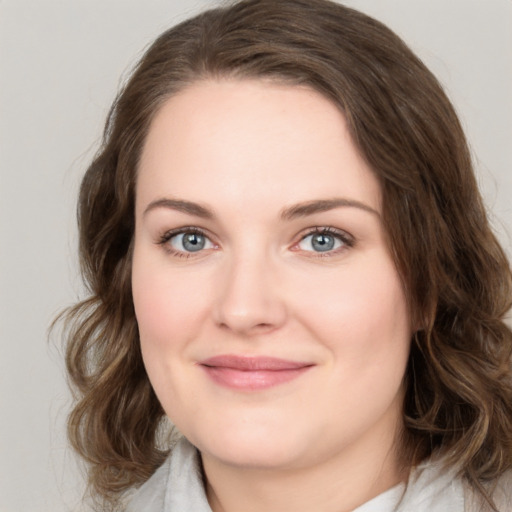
x,y
189,241
323,241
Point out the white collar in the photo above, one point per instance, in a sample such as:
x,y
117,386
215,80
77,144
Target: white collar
x,y
177,486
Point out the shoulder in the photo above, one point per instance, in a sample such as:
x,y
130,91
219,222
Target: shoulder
x,y
499,490
434,487
150,497
503,492
504,486
176,486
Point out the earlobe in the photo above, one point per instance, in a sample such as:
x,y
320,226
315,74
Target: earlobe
x,y
420,320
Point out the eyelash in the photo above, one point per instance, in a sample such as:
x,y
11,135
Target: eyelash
x,y
346,240
168,235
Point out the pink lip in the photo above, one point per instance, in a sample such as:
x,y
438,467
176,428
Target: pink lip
x,y
252,373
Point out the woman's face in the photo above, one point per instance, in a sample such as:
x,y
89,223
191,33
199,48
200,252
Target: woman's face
x,y
273,323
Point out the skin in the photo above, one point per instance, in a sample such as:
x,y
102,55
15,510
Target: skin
x,y
247,151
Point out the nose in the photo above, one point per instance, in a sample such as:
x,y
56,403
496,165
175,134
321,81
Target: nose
x,y
250,299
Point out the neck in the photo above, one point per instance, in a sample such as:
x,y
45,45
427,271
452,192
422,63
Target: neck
x,y
339,484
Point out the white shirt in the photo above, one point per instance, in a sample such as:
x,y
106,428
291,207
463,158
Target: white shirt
x,y
177,486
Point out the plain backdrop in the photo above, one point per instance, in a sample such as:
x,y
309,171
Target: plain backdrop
x,y
61,62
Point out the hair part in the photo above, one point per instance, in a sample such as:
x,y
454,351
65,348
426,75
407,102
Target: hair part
x,y
458,384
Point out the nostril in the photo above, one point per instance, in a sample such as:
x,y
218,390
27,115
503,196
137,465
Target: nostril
x,y
245,327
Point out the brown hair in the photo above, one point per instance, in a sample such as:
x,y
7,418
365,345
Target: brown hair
x,y
458,383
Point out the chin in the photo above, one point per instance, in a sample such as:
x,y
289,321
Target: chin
x,y
261,456
255,448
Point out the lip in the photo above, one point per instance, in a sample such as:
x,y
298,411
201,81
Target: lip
x,y
252,373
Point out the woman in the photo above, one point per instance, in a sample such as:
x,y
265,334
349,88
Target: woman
x,y
289,259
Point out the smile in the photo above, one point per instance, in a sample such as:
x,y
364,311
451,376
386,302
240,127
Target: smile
x,y
252,373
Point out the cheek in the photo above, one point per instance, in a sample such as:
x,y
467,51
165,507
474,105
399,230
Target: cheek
x,y
167,307
155,308
168,313
360,312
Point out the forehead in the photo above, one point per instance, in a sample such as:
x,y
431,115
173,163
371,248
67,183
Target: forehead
x,y
235,138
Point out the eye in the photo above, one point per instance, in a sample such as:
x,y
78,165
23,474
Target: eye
x,y
186,241
324,240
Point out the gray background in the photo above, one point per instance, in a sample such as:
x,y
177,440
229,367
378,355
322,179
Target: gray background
x,y
60,66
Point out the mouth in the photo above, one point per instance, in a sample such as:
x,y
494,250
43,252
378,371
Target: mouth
x,y
252,373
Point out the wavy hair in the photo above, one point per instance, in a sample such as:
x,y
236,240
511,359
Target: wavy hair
x,y
458,383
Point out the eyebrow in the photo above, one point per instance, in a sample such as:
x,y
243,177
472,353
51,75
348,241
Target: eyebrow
x,y
289,213
323,205
181,205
